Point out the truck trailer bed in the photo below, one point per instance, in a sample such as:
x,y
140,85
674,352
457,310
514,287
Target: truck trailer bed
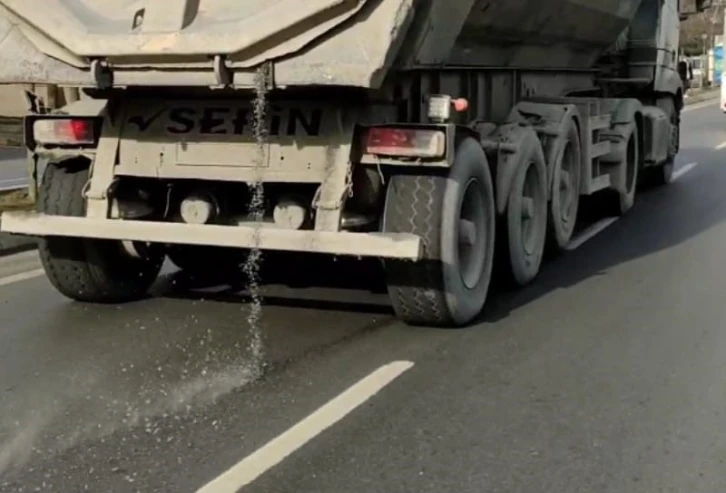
x,y
316,42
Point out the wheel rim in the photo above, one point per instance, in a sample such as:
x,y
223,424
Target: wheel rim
x,y
528,210
472,234
567,185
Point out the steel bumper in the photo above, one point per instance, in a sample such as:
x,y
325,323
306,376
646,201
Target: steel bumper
x,y
386,245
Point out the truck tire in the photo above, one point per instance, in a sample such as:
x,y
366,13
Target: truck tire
x,y
618,203
663,174
565,199
527,214
97,271
455,217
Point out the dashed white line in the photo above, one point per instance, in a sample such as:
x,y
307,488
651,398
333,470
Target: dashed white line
x,y
590,232
271,454
601,225
22,276
683,170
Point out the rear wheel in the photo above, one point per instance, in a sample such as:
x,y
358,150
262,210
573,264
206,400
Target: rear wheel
x,y
619,202
565,203
455,217
100,271
663,174
527,212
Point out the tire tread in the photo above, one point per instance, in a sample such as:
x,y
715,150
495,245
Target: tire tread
x,y
416,289
79,268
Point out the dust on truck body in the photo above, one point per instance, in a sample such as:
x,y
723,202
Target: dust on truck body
x,y
416,131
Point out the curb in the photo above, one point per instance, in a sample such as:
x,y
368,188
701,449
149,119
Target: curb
x,y
10,244
701,96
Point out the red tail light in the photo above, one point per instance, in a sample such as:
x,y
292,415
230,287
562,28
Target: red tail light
x,y
405,142
76,131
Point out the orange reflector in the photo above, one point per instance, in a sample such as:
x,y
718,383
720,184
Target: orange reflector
x,y
460,104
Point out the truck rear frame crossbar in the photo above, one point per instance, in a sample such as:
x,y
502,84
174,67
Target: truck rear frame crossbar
x,y
386,245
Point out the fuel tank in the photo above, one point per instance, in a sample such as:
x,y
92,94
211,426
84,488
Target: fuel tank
x,y
318,42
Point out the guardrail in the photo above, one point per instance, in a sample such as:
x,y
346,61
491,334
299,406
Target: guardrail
x,y
16,197
13,184
11,131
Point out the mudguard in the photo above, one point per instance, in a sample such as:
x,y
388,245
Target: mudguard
x,y
512,143
551,122
624,110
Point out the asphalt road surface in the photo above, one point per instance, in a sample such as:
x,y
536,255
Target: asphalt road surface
x,y
606,375
13,168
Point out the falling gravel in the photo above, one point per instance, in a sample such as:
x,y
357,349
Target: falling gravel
x,y
256,209
107,399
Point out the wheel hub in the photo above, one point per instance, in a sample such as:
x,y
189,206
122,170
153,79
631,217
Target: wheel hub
x,y
566,185
527,213
467,232
471,235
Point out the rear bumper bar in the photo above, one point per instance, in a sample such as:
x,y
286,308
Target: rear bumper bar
x,y
386,245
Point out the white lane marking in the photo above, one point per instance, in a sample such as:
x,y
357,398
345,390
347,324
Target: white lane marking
x,y
722,145
22,276
590,232
271,454
683,170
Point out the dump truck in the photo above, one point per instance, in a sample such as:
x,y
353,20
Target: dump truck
x,y
439,136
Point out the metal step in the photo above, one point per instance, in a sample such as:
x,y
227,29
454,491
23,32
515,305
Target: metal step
x,y
600,122
600,149
600,183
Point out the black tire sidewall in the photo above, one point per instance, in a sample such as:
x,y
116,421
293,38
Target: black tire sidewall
x,y
470,162
627,198
525,266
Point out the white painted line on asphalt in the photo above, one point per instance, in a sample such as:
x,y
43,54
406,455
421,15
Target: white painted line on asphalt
x,y
271,454
722,145
590,232
601,225
683,170
22,276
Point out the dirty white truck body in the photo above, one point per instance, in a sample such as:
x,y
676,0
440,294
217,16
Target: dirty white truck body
x,y
411,130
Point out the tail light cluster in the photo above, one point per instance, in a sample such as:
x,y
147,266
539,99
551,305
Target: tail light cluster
x,y
404,142
65,131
